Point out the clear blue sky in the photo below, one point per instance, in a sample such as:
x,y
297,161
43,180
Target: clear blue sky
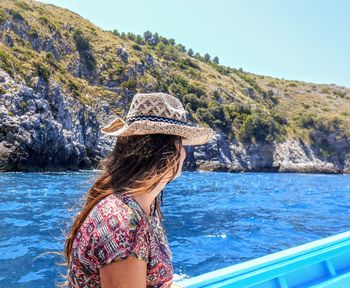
x,y
304,40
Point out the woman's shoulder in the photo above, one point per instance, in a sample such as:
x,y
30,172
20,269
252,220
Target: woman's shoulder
x,y
115,209
112,230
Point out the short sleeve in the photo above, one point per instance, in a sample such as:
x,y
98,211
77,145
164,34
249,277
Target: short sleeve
x,y
121,236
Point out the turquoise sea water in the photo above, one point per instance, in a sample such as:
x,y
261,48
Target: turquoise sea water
x,y
213,219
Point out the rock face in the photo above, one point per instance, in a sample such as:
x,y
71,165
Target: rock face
x,y
289,156
44,129
55,43
123,54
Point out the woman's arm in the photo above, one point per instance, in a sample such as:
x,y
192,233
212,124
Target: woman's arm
x,y
128,273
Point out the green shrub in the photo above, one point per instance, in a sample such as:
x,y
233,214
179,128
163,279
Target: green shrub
x,y
160,48
43,72
2,19
179,79
50,58
130,36
136,47
194,73
243,108
181,48
171,53
2,90
307,120
23,5
205,115
177,89
171,41
198,56
206,57
196,89
44,20
119,69
139,40
270,96
73,88
5,63
329,125
221,69
251,82
194,102
214,116
237,112
185,63
279,118
130,84
147,35
179,85
115,32
259,127
16,15
164,40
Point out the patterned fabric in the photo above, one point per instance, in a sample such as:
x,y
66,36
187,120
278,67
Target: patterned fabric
x,y
117,227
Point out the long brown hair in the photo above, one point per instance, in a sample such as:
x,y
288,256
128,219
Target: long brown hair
x,y
136,165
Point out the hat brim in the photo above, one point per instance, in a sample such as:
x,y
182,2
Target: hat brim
x,y
191,135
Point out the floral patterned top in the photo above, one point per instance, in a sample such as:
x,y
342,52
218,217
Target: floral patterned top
x,y
117,227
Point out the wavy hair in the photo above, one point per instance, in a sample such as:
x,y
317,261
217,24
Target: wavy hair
x,y
137,164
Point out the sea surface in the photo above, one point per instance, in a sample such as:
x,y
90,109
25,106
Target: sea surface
x,y
212,219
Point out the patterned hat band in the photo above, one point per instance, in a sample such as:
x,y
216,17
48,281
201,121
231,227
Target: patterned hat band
x,y
156,118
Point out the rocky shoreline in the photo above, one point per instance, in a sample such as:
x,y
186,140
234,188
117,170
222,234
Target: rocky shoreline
x,y
42,129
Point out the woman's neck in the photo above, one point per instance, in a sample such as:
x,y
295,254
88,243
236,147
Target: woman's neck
x,y
145,199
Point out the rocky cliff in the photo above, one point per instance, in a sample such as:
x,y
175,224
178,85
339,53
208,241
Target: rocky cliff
x,y
59,85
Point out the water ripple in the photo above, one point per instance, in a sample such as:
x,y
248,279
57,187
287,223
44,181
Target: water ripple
x,y
213,219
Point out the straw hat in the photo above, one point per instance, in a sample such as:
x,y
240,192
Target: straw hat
x,y
158,112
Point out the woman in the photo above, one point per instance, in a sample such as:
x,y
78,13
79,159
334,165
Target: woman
x,y
118,239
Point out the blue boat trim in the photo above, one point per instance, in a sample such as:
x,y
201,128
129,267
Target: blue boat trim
x,y
321,263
